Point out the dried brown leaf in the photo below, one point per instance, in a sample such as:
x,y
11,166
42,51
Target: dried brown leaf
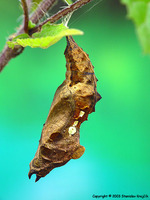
x,y
74,99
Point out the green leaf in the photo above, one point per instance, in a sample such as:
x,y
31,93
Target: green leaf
x,y
139,12
68,2
49,35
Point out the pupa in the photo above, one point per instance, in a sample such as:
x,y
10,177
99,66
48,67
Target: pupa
x,y
73,101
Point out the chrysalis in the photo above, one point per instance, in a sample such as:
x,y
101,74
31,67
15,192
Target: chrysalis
x,y
74,99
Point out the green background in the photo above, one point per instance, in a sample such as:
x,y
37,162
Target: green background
x,y
116,136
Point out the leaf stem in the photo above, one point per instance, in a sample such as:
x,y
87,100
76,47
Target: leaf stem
x,y
26,15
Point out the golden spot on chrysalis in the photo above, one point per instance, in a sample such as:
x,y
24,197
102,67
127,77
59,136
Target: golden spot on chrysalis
x,y
81,114
72,130
75,123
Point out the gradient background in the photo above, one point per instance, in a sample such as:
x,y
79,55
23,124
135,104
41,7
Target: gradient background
x,y
116,136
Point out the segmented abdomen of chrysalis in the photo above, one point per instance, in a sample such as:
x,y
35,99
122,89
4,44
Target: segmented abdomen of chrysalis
x,y
74,99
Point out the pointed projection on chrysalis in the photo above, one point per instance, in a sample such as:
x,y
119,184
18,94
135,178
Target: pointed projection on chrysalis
x,y
74,99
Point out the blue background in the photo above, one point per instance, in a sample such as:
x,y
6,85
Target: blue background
x,y
116,136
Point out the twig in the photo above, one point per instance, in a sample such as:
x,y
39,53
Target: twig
x,y
60,14
26,15
8,53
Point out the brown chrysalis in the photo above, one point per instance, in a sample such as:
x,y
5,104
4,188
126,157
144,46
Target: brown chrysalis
x,y
74,99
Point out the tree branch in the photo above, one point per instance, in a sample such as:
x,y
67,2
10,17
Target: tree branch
x,y
60,14
45,5
26,15
8,53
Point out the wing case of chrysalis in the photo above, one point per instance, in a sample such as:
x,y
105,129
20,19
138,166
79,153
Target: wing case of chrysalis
x,y
74,99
